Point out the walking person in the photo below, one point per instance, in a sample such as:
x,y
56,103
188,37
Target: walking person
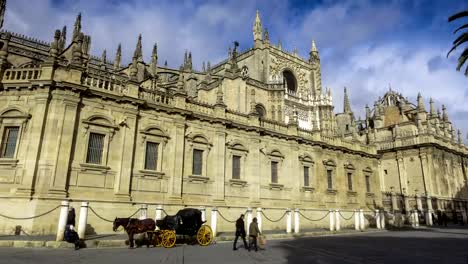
x,y
253,233
240,232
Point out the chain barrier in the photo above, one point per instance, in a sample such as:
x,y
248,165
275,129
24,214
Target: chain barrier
x,y
100,217
345,217
225,219
31,217
313,219
267,218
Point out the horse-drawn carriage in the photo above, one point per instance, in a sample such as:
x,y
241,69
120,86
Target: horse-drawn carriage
x,y
187,222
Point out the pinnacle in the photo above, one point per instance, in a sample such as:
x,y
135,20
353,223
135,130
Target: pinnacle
x,y
313,48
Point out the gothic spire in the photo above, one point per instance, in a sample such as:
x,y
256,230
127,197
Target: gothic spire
x,y
63,39
138,54
313,54
266,35
154,58
104,58
433,111
118,57
460,141
189,61
313,47
346,105
77,28
444,114
420,103
257,28
280,46
2,11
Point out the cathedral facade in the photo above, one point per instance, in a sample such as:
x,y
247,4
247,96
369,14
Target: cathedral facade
x,y
255,130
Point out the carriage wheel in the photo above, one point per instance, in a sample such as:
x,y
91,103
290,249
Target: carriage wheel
x,y
168,238
204,235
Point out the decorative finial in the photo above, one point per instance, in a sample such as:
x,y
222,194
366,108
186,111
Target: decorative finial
x,y
346,104
138,54
257,28
77,28
118,56
104,58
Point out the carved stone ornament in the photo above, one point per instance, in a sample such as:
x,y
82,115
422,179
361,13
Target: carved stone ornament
x,y
279,64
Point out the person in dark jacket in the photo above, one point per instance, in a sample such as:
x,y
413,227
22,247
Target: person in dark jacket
x,y
71,236
240,232
71,216
253,233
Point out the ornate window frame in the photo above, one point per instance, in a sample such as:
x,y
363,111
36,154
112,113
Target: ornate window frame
x,y
156,135
235,148
307,161
275,156
200,142
330,164
368,172
13,117
99,124
349,168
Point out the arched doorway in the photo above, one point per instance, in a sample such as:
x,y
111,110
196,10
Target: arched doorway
x,y
260,111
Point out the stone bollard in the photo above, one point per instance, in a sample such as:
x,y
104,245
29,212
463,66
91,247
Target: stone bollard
x,y
416,218
464,217
382,219
62,220
377,219
159,211
203,213
249,219
296,221
143,211
214,220
259,218
429,220
288,220
332,220
337,220
83,220
362,222
356,220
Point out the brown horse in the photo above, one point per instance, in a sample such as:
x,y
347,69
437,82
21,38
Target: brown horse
x,y
135,226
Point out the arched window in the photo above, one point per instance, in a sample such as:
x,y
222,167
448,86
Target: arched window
x,y
289,81
260,111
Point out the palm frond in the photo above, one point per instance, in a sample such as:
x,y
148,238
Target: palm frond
x,y
461,27
466,71
460,40
462,59
458,15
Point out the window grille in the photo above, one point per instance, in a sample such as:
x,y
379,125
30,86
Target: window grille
x,y
236,163
9,141
306,176
151,157
330,179
274,172
350,181
197,162
95,148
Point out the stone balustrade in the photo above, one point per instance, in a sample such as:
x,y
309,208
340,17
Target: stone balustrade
x,y
104,83
21,75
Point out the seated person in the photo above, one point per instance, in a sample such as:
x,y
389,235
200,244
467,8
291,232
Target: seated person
x,y
71,236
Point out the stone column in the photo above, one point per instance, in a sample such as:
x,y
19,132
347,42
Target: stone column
x,y
332,220
83,220
394,200
249,219
259,218
362,222
34,141
402,172
143,211
62,220
356,219
429,220
337,220
175,182
159,211
382,219
219,149
419,201
377,219
60,130
203,213
122,180
214,220
288,220
296,221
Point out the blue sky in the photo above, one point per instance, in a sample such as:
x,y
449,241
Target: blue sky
x,y
364,45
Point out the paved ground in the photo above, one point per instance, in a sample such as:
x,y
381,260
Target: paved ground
x,y
437,245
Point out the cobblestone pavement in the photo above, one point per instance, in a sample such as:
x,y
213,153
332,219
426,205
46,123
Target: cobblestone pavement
x,y
436,245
